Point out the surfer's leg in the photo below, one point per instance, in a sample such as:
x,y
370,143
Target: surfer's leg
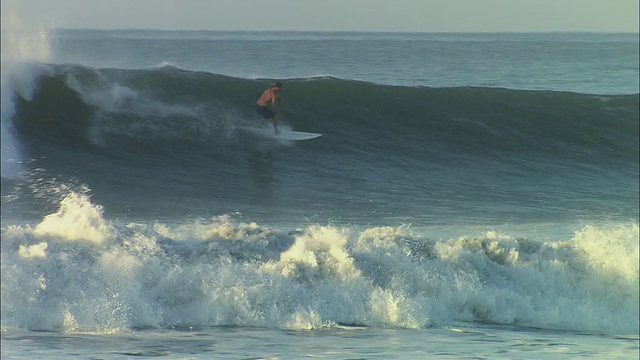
x,y
265,113
275,124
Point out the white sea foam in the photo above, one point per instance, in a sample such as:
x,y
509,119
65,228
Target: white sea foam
x,y
111,96
77,271
126,110
24,51
76,220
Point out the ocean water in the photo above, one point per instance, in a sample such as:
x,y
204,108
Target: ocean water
x,y
472,195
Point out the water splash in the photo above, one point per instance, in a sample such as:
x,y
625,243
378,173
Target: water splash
x,y
23,53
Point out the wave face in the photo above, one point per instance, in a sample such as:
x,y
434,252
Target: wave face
x,y
387,151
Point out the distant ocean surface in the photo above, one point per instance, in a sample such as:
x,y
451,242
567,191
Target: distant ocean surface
x,y
474,195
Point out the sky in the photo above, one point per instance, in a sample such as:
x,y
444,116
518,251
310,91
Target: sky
x,y
328,15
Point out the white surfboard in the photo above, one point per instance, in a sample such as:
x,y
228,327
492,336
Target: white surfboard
x,y
284,134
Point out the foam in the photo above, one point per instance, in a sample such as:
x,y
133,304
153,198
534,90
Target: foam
x,y
75,271
33,251
138,113
76,220
23,53
318,253
615,251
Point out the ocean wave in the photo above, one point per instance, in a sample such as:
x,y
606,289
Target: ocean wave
x,y
146,140
77,271
85,105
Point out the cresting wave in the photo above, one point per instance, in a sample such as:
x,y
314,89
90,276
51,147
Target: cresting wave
x,y
165,135
76,271
79,106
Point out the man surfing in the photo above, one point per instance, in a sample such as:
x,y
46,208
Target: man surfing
x,y
262,105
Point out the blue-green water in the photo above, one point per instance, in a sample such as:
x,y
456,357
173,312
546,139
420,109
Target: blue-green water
x,y
480,342
472,195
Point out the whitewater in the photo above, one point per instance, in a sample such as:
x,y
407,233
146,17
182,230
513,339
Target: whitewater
x,y
472,195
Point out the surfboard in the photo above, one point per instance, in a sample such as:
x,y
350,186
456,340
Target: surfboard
x,y
284,134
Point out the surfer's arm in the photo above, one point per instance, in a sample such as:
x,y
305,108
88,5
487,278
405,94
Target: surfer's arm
x,y
273,102
275,113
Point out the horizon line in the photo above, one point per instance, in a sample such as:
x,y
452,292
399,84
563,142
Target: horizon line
x,y
352,31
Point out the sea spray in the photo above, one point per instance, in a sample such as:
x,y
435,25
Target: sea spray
x,y
112,276
24,52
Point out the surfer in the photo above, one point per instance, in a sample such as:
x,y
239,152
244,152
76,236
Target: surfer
x,y
262,105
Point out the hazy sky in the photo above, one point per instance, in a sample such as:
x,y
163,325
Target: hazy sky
x,y
329,15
